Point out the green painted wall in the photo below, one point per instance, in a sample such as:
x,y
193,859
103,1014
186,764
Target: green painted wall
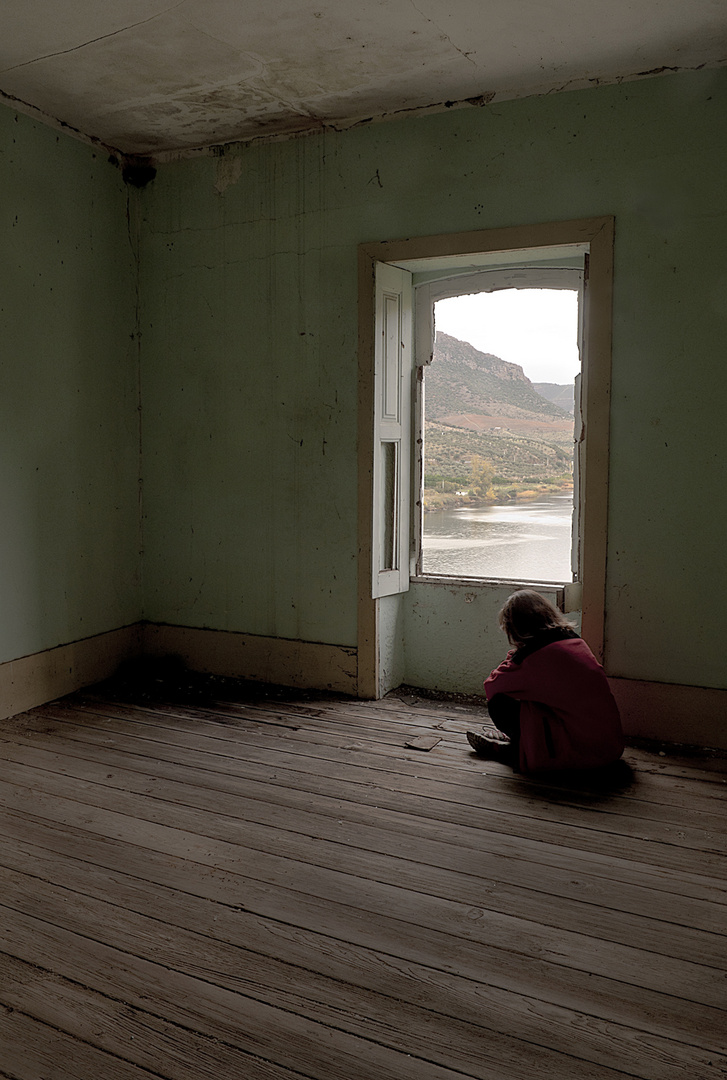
x,y
250,367
249,388
452,637
69,440
248,375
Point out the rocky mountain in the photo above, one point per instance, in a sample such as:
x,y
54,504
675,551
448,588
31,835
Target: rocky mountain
x,y
461,380
478,404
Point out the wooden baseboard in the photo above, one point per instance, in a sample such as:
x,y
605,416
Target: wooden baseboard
x,y
694,715
44,676
302,664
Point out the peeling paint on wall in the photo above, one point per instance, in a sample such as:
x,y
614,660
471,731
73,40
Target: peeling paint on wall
x,y
228,171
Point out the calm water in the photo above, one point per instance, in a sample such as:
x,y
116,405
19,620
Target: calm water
x,y
528,541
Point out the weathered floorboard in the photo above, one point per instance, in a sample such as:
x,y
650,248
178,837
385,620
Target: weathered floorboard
x,y
278,888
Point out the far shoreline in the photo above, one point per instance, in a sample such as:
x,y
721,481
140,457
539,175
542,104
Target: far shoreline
x,y
433,500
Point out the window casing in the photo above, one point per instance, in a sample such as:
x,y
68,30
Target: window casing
x,y
472,251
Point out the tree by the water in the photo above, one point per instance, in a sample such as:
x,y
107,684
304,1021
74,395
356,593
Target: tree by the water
x,y
481,478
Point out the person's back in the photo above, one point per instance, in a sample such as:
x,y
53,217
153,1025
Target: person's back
x,y
550,696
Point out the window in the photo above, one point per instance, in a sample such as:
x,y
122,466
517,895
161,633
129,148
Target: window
x,y
389,470
497,494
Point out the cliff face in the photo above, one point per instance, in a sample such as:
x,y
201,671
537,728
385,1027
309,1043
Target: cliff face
x,y
476,403
461,380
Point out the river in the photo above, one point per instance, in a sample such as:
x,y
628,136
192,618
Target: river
x,y
526,541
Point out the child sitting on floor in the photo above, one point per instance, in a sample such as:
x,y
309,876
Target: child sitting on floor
x,y
549,698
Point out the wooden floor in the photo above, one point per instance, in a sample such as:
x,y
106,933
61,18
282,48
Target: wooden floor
x,y
276,888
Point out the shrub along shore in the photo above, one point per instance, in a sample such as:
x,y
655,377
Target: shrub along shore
x,y
433,498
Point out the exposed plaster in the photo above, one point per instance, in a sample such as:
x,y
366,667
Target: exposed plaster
x,y
228,171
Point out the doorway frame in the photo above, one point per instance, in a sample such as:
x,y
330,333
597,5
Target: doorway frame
x,y
598,234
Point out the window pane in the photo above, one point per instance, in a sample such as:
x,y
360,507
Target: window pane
x,y
389,488
498,438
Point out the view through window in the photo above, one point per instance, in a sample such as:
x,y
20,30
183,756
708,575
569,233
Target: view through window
x,y
498,436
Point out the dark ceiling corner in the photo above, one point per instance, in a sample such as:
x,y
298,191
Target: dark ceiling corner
x,y
137,173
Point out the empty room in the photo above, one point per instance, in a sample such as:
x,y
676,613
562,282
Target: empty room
x,y
262,508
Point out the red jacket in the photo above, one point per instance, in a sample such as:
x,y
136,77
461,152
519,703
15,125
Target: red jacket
x,y
568,716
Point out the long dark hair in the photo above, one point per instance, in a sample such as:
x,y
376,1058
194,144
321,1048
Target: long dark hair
x,y
526,614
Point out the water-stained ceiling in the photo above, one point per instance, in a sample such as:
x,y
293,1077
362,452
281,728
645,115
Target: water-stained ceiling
x,y
148,76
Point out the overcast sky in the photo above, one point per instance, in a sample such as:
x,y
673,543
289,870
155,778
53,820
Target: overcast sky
x,y
536,328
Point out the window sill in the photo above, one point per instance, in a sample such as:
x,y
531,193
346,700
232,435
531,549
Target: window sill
x,y
490,583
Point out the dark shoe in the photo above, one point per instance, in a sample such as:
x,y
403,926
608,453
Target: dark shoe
x,y
494,745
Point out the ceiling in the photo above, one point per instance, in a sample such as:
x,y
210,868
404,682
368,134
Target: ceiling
x,y
150,76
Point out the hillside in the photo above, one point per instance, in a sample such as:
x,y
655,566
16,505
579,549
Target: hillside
x,y
558,394
463,380
476,403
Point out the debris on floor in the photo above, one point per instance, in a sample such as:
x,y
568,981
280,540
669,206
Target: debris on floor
x,y
422,742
